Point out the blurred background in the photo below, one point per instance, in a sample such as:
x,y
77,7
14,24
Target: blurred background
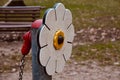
x,y
96,43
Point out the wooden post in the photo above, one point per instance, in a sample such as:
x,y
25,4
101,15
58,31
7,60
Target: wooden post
x,y
38,71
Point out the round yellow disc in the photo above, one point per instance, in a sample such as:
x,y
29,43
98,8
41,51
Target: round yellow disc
x,y
58,39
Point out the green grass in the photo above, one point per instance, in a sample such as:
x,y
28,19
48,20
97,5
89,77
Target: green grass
x,y
2,2
105,53
87,13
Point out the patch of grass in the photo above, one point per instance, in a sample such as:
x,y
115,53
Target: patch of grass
x,y
2,2
87,13
105,53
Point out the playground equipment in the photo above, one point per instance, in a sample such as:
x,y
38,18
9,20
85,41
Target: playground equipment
x,y
51,42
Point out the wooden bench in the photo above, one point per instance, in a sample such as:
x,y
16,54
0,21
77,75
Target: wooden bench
x,y
18,18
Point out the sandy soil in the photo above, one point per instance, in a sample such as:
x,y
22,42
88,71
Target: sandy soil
x,y
85,70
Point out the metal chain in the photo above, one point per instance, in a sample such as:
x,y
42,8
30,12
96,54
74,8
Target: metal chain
x,y
22,64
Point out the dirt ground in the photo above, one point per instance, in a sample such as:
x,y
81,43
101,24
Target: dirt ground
x,y
84,70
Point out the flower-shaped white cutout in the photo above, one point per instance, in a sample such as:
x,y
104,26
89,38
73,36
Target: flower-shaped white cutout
x,y
55,38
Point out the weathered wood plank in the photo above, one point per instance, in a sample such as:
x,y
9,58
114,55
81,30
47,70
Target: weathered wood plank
x,y
18,17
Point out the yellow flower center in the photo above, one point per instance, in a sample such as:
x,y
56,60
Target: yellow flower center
x,y
58,40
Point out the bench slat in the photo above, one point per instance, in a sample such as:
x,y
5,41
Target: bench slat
x,y
19,16
14,27
15,23
22,12
22,8
17,26
25,20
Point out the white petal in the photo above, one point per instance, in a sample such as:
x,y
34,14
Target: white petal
x,y
67,18
44,36
60,10
50,68
60,63
50,18
70,33
44,55
67,51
